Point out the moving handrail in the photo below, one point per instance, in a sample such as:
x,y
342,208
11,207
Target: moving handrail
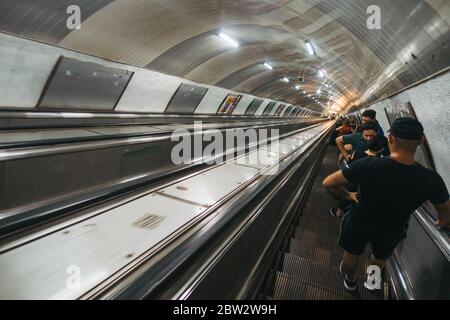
x,y
20,153
439,237
400,283
32,119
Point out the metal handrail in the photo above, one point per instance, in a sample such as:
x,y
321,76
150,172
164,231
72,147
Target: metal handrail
x,y
80,115
400,282
438,236
20,153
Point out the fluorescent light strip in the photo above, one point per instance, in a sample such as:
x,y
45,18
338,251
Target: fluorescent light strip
x,y
268,66
228,39
321,73
310,47
286,80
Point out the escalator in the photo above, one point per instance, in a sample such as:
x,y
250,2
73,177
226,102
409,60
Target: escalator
x,y
266,237
49,171
172,240
307,267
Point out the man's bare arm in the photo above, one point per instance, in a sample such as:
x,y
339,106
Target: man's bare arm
x,y
444,214
334,185
341,147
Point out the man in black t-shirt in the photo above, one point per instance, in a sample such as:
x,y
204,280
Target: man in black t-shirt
x,y
390,189
378,147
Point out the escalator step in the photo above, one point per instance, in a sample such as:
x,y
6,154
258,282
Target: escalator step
x,y
313,221
317,253
326,276
323,229
313,239
325,255
319,214
316,237
290,288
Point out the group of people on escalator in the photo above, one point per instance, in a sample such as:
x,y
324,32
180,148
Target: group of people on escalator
x,y
378,186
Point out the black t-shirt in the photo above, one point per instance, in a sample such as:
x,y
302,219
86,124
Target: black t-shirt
x,y
390,191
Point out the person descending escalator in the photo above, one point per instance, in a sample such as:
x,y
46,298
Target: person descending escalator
x,y
370,116
344,129
390,189
378,147
353,126
353,146
335,133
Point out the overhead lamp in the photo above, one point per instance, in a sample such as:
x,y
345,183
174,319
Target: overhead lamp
x,y
321,73
286,80
297,87
268,66
228,39
310,47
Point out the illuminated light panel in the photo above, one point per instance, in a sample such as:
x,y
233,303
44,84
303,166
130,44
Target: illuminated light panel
x,y
229,40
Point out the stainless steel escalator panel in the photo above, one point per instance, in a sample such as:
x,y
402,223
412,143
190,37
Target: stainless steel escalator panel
x,y
125,130
170,127
97,248
108,243
269,155
35,135
199,189
262,158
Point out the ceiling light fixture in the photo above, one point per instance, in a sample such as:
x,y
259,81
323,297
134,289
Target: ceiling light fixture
x,y
268,66
321,73
310,47
228,39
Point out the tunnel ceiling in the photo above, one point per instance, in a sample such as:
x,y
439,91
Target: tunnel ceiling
x,y
180,37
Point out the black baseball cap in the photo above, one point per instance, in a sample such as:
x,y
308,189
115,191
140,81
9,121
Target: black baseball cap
x,y
407,128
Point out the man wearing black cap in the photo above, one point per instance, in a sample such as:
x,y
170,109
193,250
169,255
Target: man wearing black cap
x,y
391,188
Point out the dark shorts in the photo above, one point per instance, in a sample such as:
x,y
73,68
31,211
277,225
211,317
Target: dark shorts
x,y
354,240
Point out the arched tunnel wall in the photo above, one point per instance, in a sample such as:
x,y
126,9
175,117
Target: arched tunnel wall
x,y
28,64
431,103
